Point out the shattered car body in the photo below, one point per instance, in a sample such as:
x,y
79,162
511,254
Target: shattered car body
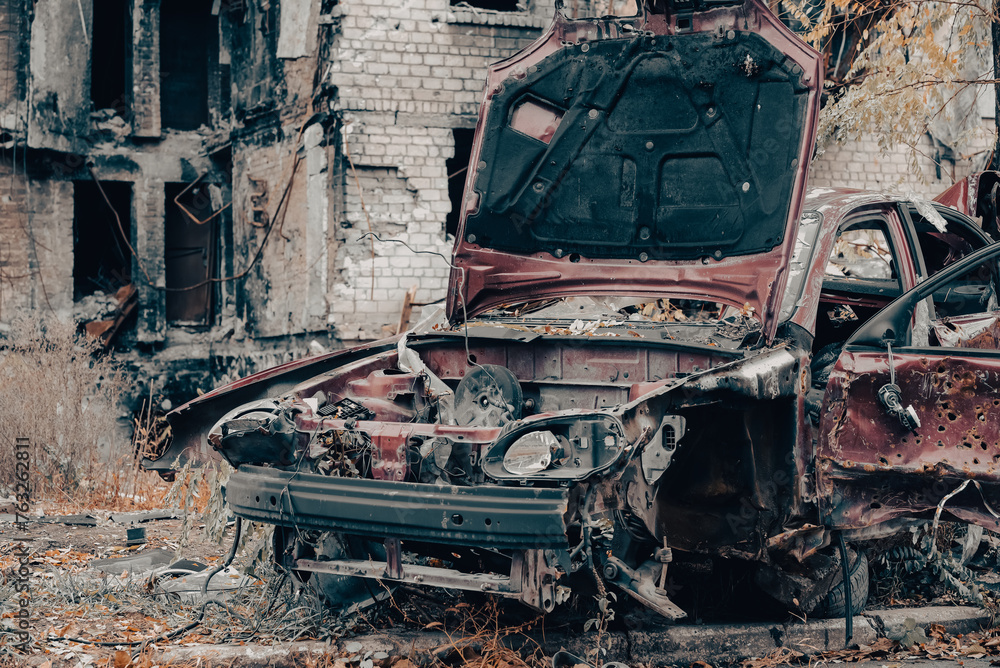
x,y
657,348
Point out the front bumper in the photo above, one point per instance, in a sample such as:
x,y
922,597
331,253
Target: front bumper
x,y
484,516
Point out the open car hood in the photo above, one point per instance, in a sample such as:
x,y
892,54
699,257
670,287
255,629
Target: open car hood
x,y
662,155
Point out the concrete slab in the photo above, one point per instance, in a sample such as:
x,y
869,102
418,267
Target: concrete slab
x,y
147,516
955,619
396,644
683,644
72,520
141,562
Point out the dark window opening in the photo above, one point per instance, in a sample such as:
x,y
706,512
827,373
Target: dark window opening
x,y
495,5
457,172
235,9
188,42
102,261
225,88
960,237
190,253
111,56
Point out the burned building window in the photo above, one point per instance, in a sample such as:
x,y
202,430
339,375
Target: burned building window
x,y
111,56
235,10
13,51
190,253
457,171
495,5
102,261
188,50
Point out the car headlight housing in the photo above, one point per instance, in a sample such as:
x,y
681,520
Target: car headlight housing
x,y
532,453
569,447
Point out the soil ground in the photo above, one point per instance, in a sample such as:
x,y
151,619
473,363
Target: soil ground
x,y
88,586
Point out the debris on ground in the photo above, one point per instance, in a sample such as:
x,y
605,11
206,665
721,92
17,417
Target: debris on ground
x,y
88,588
917,643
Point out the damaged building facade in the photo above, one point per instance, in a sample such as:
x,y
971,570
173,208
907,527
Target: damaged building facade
x,y
213,185
195,180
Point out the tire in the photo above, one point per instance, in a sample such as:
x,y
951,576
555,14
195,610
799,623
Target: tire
x,y
343,593
833,604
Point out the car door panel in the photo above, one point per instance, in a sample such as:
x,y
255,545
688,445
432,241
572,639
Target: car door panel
x,y
870,467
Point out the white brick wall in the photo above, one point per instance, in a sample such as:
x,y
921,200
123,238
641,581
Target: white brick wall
x,y
407,72
405,187
862,165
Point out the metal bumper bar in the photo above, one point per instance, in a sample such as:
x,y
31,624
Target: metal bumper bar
x,y
488,515
425,575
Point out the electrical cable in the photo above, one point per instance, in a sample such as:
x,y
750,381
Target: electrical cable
x,y
848,603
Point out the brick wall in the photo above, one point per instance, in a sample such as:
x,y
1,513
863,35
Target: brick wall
x,y
419,56
862,165
399,172
148,202
15,255
12,55
146,68
36,244
406,73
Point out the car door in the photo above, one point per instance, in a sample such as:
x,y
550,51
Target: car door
x,y
943,243
871,263
912,408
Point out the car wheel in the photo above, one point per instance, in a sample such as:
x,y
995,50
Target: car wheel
x,y
834,603
345,592
339,592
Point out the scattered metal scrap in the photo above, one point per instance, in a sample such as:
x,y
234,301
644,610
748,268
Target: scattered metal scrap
x,y
105,330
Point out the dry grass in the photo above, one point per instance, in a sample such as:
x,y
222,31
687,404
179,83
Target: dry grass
x,y
61,394
478,635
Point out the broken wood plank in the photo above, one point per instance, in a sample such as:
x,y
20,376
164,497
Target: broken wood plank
x,y
404,316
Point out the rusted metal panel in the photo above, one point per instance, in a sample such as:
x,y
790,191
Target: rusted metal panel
x,y
974,196
865,456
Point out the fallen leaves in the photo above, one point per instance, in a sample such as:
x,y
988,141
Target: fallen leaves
x,y
938,644
404,663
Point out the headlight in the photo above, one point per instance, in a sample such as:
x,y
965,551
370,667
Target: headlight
x,y
531,453
255,413
255,433
567,447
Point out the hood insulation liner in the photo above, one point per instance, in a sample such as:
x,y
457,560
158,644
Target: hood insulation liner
x,y
676,146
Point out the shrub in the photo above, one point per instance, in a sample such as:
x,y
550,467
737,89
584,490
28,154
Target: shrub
x,y
61,393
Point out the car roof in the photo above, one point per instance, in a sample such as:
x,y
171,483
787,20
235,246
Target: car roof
x,y
833,201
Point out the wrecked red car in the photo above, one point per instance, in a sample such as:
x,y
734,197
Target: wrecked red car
x,y
658,353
